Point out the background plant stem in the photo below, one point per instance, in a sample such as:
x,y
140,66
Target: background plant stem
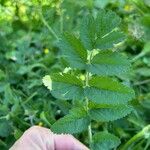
x,y
47,25
144,133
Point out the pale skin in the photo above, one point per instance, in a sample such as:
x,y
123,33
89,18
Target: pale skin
x,y
39,138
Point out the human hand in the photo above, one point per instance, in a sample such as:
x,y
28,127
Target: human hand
x,y
39,138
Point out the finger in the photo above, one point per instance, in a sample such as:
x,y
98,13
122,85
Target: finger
x,y
67,142
41,138
35,138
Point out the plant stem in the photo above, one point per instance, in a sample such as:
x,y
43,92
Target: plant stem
x,y
48,26
141,82
144,133
87,101
147,144
3,143
138,56
90,133
87,108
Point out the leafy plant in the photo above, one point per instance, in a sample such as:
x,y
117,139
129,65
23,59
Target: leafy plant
x,y
28,33
93,80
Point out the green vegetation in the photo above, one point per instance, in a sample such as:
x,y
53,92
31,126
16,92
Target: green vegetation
x,y
94,58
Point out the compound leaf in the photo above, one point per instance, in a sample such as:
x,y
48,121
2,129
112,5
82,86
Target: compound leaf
x,y
104,90
108,63
64,86
110,113
76,121
105,141
73,51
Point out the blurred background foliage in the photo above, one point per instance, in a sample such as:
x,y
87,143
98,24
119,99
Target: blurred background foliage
x,y
29,31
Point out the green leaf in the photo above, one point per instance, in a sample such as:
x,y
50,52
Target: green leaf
x,y
104,90
110,113
108,63
2,75
9,95
17,133
73,51
87,32
102,32
63,105
76,121
146,48
143,71
64,86
105,141
109,40
106,22
5,128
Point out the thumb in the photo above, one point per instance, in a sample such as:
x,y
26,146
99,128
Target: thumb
x,y
39,138
35,138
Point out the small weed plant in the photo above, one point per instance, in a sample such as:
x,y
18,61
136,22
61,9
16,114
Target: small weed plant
x,y
92,81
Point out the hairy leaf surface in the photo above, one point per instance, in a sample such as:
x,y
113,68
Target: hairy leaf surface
x,y
105,141
87,32
65,86
104,90
108,63
73,51
109,40
76,121
110,113
106,22
101,32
